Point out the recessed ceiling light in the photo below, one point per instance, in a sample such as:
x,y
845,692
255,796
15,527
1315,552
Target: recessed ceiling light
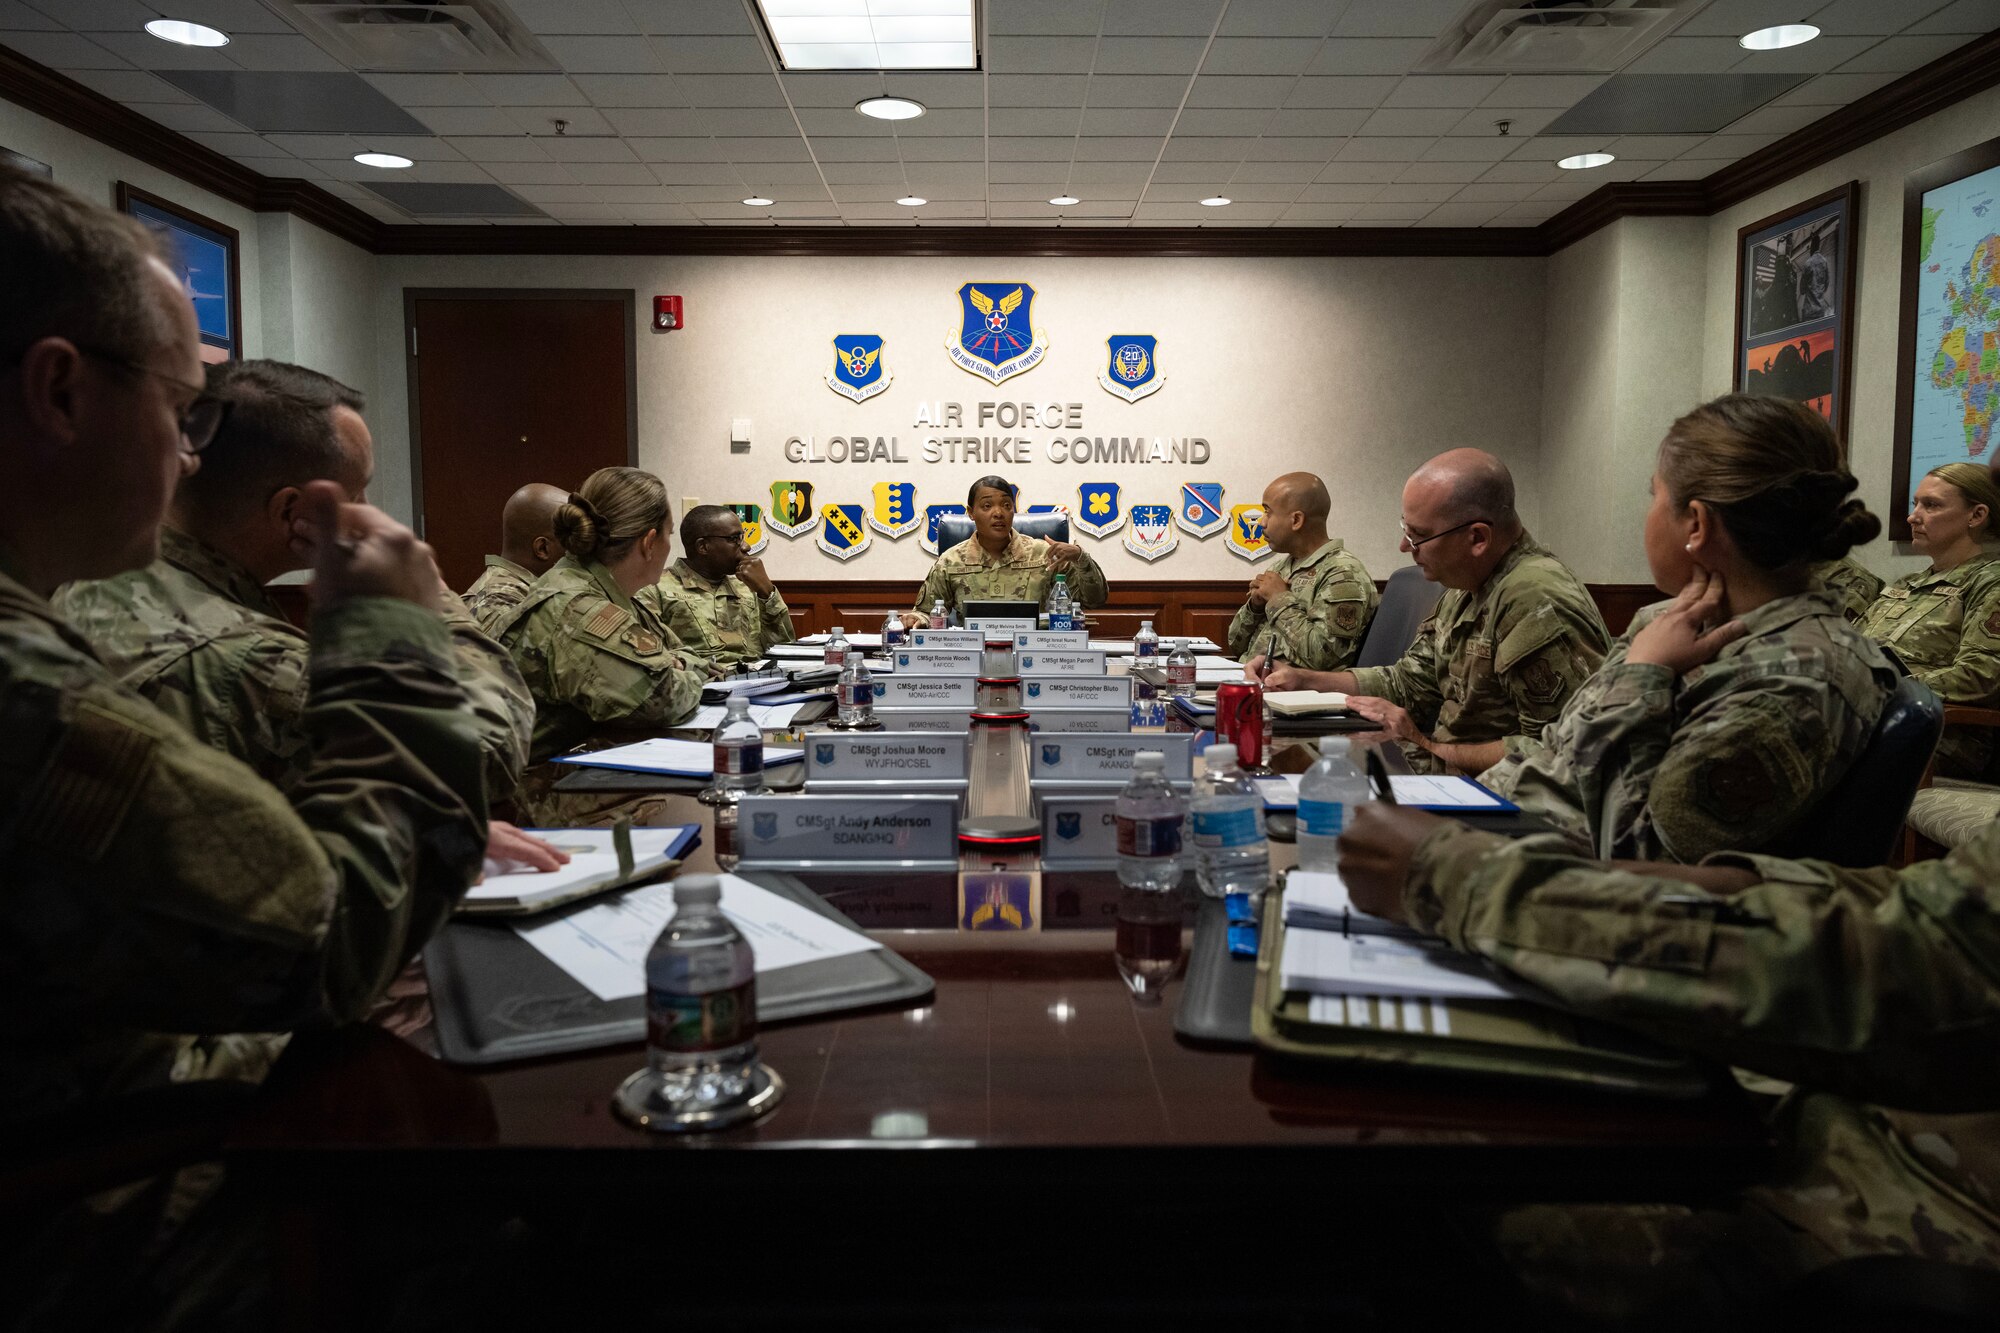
x,y
912,200
182,33
872,34
1214,201
1778,38
390,161
757,201
1065,200
1585,161
890,108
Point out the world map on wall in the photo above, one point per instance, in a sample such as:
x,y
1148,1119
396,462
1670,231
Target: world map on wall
x,y
1958,324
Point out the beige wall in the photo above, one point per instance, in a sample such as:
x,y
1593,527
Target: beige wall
x,y
1356,369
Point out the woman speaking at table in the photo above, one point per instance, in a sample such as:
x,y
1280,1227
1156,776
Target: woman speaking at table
x,y
998,564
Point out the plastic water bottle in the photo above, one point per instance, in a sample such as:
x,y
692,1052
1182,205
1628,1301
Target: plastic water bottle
x,y
701,1003
1149,814
1328,795
1145,644
739,751
1061,614
836,647
1148,709
893,633
1180,670
855,694
939,620
1231,853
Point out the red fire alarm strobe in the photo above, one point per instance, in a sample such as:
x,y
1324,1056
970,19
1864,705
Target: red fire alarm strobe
x,y
667,313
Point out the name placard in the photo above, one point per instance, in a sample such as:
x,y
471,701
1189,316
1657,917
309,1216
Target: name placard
x,y
925,691
1075,691
996,625
879,760
922,719
940,661
1105,760
1079,828
1067,662
946,638
1080,719
1052,640
842,830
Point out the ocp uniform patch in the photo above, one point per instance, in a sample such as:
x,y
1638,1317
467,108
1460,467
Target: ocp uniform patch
x,y
1736,789
642,641
1347,617
1993,624
606,621
81,797
1540,680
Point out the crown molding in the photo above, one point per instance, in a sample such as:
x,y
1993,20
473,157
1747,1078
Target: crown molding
x,y
1972,68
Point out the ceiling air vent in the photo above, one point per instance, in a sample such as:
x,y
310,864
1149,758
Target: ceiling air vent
x,y
1552,36
420,36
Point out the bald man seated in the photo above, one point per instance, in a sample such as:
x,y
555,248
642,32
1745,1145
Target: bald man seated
x,y
1513,636
528,547
717,597
1312,608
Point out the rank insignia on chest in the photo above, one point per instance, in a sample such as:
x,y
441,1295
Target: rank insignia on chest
x,y
859,372
1132,367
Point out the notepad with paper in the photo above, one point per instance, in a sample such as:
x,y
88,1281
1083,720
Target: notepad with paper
x,y
1304,703
662,754
1317,900
1447,795
511,888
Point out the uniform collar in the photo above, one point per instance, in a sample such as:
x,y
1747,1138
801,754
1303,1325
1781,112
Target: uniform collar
x,y
690,577
1957,573
1779,612
1331,546
19,597
598,576
1019,546
502,562
194,556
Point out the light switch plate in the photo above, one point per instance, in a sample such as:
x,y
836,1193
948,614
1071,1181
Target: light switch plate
x,y
739,435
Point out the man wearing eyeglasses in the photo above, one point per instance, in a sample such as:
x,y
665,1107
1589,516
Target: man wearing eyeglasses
x,y
717,597
1514,634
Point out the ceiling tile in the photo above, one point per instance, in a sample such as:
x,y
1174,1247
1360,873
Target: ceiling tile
x,y
1034,120
1110,173
1339,194
1652,147
1117,148
1044,16
710,55
268,51
1814,57
1383,150
415,90
830,90
1216,172
326,145
1037,89
604,55
1300,172
1397,18
698,173
529,173
1688,169
1729,147
1552,90
1125,120
1379,213
748,120
1434,172
1689,55
1135,90
447,173
1871,17
1499,192
568,16
1540,171
1777,120
1174,18
1456,214
862,173
1900,55
1261,192
1970,17
675,150
521,89
943,149
133,87
730,90
1266,90
1260,55
669,214
1417,193
1359,173
1733,18
1325,123
758,148
466,120
1184,149
1484,122
1464,148
579,121
1037,149
1831,90
613,173
1341,92
192,116
1550,147
1368,56
958,121
1025,192
68,50
1443,90
941,89
854,149
588,150
840,120
1040,55
699,16
1027,171
1411,121
1211,121
1281,18
662,121
1311,149
756,172
1148,55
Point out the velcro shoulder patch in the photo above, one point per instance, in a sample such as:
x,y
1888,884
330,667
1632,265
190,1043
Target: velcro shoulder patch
x,y
83,795
606,621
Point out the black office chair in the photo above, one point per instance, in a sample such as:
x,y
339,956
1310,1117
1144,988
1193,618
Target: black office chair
x,y
1407,600
956,528
1859,821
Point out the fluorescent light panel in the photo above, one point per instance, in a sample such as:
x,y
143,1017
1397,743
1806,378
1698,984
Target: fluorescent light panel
x,y
872,34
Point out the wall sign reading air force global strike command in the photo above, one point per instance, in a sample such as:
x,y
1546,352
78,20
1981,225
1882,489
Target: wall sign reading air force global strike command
x,y
1132,367
842,533
940,428
996,337
858,370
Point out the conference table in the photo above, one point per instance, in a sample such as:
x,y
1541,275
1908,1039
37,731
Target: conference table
x,y
1036,1081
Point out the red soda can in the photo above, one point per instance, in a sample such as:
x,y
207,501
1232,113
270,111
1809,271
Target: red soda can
x,y
1239,720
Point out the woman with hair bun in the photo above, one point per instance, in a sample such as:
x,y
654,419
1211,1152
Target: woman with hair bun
x,y
592,655
1721,719
1944,623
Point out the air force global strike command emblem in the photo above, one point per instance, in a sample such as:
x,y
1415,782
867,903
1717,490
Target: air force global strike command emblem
x,y
858,371
996,337
1132,369
791,508
1202,514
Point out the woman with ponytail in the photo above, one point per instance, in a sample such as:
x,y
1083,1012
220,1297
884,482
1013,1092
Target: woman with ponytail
x,y
594,657
1724,717
1944,624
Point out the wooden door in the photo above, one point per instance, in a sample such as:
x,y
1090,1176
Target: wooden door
x,y
509,387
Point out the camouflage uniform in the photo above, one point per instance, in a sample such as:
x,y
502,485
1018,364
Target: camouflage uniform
x,y
1320,622
1852,584
196,635
1498,661
1019,574
500,587
1644,766
725,621
593,656
1858,986
1945,627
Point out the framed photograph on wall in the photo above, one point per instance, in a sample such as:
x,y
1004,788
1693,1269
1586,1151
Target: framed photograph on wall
x,y
204,253
1948,349
26,163
1795,304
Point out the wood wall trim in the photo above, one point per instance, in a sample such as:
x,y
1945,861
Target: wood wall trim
x,y
1972,68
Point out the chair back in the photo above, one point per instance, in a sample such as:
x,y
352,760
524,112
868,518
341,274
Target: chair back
x,y
1408,598
1858,822
956,528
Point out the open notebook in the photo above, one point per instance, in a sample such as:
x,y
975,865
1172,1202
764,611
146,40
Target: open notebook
x,y
510,889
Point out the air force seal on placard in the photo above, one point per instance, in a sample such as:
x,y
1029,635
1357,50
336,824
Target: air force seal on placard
x,y
764,825
1098,510
895,513
1246,532
823,752
1152,534
996,337
755,539
1202,514
1132,369
858,371
791,508
932,514
843,534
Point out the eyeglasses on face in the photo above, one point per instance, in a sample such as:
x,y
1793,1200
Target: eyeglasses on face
x,y
200,420
1413,541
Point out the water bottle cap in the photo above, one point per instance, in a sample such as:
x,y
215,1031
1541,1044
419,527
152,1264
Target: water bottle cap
x,y
1149,761
838,631
1220,755
851,655
1332,746
694,890
736,703
1145,624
